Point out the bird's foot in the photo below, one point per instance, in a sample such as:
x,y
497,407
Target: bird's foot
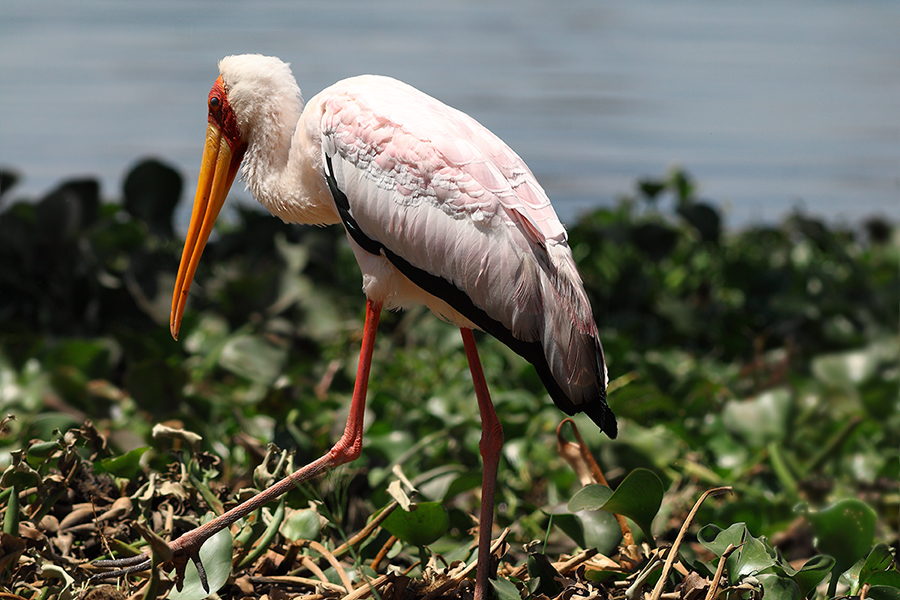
x,y
179,560
177,553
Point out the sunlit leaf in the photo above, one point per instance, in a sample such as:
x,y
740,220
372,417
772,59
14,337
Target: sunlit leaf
x,y
759,421
845,369
505,589
302,524
126,465
253,357
751,556
591,529
590,497
638,497
424,523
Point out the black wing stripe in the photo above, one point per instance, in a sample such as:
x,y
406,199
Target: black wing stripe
x,y
441,288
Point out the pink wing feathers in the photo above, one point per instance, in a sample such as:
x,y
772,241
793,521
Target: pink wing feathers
x,y
448,199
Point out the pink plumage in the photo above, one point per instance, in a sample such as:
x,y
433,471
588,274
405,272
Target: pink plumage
x,y
450,198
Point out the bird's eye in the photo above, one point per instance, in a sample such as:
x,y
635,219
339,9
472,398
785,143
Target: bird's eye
x,y
215,103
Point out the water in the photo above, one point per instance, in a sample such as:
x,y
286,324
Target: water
x,y
770,104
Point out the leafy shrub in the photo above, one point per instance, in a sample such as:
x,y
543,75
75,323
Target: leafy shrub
x,y
764,358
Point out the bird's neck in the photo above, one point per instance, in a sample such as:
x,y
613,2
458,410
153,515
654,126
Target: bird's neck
x,y
279,168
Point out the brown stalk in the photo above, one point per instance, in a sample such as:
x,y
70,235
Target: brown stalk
x,y
673,554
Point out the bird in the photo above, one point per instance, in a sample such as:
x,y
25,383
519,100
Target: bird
x,y
438,211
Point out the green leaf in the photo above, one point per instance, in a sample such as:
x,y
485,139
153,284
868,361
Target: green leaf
x,y
638,497
598,576
254,358
884,592
776,587
845,531
540,569
654,239
302,525
505,589
813,573
8,179
591,529
42,450
704,218
590,497
651,188
847,369
68,209
216,555
750,512
423,524
878,560
152,190
751,557
127,465
884,578
761,420
19,473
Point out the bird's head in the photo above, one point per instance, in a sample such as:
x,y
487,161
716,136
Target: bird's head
x,y
250,92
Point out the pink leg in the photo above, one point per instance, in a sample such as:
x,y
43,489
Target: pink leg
x,y
345,450
491,443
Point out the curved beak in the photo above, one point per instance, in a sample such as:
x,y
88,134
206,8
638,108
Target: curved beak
x,y
217,172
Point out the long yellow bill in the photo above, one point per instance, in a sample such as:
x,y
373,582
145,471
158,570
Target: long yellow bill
x,y
217,172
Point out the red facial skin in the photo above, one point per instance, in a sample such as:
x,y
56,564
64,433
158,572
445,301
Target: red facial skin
x,y
222,115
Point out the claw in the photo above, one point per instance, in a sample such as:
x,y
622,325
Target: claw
x,y
201,570
179,561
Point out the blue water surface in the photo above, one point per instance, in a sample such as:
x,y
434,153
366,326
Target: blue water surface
x,y
771,105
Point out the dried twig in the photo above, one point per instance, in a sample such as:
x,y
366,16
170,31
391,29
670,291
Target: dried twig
x,y
657,591
366,531
563,567
714,585
323,551
568,566
456,579
376,562
314,568
299,581
364,590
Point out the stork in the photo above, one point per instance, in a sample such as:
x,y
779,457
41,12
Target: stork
x,y
438,211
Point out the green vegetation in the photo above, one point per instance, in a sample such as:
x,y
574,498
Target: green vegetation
x,y
764,359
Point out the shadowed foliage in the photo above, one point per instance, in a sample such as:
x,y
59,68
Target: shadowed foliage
x,y
763,358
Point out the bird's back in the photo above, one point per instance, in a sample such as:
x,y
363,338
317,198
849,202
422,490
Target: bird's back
x,y
459,214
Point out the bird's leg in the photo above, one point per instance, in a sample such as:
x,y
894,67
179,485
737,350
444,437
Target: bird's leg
x,y
491,443
345,450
